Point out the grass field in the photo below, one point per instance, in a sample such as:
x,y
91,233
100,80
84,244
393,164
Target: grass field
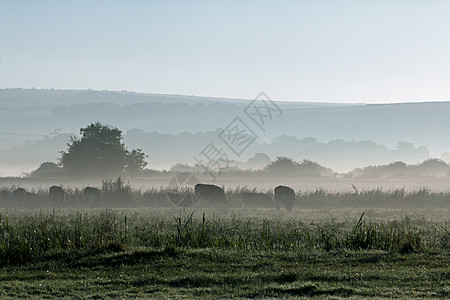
x,y
224,252
212,273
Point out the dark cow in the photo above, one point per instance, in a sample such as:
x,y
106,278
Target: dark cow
x,y
57,196
260,200
19,197
210,193
5,198
285,196
92,196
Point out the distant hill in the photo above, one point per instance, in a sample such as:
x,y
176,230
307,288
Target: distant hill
x,y
32,114
68,110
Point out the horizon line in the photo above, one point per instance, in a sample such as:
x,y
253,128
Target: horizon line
x,y
218,98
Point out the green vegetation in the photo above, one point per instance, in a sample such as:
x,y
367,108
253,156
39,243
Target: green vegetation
x,y
28,237
120,194
47,169
211,274
432,167
106,253
369,243
100,152
285,166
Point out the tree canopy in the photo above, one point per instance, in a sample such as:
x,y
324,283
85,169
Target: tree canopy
x,y
47,169
100,152
286,166
282,165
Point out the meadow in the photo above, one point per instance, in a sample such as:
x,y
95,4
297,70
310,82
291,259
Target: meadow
x,y
223,252
356,244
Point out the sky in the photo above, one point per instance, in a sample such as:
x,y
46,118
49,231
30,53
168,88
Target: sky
x,y
328,51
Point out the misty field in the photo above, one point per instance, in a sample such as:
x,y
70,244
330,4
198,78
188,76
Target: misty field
x,y
224,252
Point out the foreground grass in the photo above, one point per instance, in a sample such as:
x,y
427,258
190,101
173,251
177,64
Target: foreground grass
x,y
208,273
223,253
26,236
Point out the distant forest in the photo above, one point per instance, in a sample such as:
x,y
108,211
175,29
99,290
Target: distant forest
x,y
166,150
284,167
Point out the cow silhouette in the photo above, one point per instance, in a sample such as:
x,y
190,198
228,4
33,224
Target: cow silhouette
x,y
57,196
19,197
210,194
92,196
285,196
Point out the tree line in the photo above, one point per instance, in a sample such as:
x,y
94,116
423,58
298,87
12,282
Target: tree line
x,y
101,153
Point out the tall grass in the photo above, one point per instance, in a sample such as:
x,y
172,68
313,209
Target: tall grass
x,y
118,194
39,235
373,198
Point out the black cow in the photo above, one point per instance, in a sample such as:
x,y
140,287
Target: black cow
x,y
260,200
19,197
285,196
92,196
210,193
57,196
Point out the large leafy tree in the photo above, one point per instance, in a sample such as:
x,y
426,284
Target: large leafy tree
x,y
100,152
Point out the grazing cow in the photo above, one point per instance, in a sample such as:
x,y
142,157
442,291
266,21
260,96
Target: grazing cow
x,y
285,196
56,196
92,196
210,193
260,200
19,197
5,198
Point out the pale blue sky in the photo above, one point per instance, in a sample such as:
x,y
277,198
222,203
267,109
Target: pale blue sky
x,y
334,51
